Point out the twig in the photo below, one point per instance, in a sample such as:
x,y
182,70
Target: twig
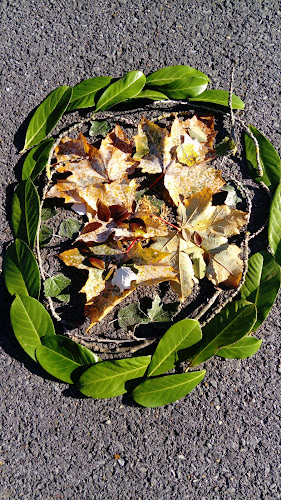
x,y
97,347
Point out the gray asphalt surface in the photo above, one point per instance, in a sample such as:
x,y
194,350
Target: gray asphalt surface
x,y
223,440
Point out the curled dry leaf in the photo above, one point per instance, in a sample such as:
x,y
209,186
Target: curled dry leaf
x,y
131,238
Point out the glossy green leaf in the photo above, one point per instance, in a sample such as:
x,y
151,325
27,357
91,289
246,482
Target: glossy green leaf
x,y
21,272
60,356
170,74
57,286
25,212
37,159
164,390
107,379
84,93
269,158
242,349
181,335
262,283
30,322
69,227
125,88
219,97
188,87
45,235
99,128
47,115
151,94
230,325
274,229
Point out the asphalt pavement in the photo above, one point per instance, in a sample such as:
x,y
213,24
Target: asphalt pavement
x,y
223,440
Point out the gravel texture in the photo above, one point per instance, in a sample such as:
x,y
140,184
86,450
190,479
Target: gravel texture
x,y
222,441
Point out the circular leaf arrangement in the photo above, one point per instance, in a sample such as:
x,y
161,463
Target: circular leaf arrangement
x,y
142,239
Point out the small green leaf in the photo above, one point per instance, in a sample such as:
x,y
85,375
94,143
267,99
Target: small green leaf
x,y
25,212
21,271
47,115
131,315
225,147
262,283
30,322
84,93
151,94
125,88
69,227
180,336
231,324
107,379
60,356
45,235
99,128
170,74
47,213
219,97
269,158
54,286
161,313
164,390
36,160
242,349
274,229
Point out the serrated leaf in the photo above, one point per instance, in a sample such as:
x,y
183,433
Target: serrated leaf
x,y
21,272
170,74
69,227
233,323
60,356
108,378
274,228
125,88
131,315
47,213
269,158
164,390
37,159
151,94
84,93
47,115
262,283
30,322
242,349
55,285
99,128
25,212
181,335
226,146
219,97
45,235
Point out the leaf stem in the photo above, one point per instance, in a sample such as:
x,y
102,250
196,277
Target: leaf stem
x,y
166,222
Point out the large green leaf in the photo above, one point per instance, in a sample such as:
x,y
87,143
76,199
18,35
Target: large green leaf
x,y
30,322
170,74
262,283
37,160
270,160
83,95
125,88
242,349
181,335
220,97
231,324
274,229
164,390
25,212
21,271
60,356
151,94
188,87
107,379
47,115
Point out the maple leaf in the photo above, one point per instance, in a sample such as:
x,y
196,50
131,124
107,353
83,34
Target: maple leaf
x,y
95,174
200,245
179,155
